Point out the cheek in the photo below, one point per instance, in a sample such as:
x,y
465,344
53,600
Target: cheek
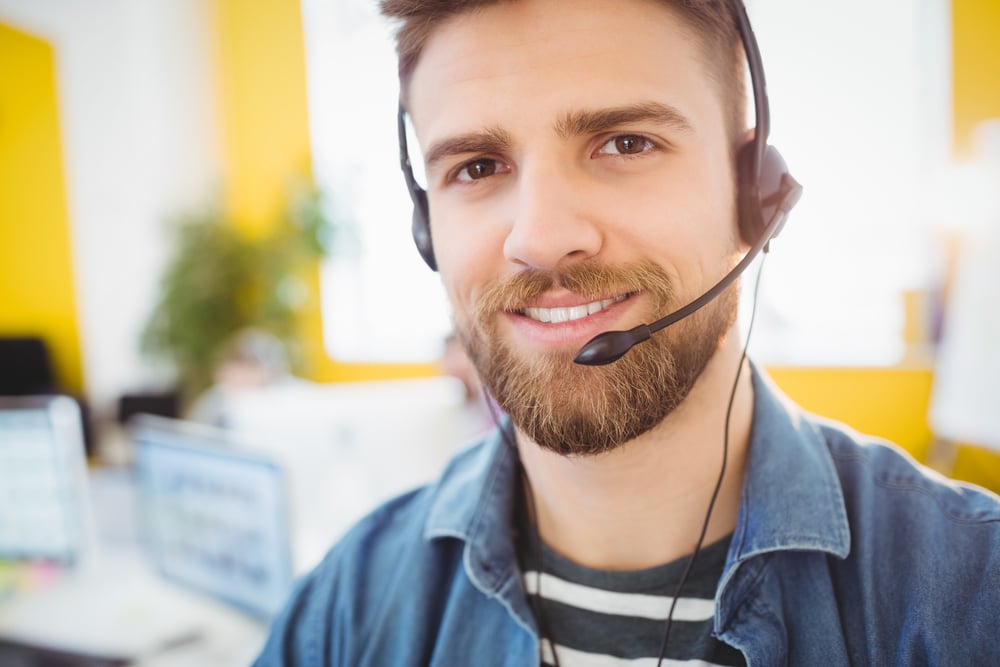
x,y
468,256
675,216
687,228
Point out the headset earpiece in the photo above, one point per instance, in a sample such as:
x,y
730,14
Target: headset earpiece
x,y
421,223
764,190
422,226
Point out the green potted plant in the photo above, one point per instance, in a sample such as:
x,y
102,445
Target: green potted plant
x,y
220,281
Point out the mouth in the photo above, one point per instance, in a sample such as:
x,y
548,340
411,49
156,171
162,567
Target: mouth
x,y
570,313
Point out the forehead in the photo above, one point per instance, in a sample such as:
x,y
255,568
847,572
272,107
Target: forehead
x,y
532,58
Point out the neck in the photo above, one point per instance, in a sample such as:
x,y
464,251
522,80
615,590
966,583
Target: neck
x,y
644,503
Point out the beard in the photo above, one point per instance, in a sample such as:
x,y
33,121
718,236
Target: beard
x,y
577,410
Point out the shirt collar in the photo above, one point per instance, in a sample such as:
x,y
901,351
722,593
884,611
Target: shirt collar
x,y
474,502
791,497
479,482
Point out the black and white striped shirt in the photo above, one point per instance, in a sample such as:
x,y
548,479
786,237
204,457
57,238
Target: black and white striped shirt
x,y
595,618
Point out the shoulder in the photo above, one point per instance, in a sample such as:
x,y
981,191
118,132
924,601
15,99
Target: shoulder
x,y
874,480
881,478
924,561
918,538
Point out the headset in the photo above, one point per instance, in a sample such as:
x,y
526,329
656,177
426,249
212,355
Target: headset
x,y
766,193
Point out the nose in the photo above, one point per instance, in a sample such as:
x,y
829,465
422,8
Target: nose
x,y
552,224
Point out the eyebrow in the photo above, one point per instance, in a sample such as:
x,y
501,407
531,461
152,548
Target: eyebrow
x,y
577,123
489,140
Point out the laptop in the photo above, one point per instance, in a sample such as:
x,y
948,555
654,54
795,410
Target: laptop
x,y
214,517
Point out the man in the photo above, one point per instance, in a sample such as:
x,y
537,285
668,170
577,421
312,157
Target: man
x,y
582,176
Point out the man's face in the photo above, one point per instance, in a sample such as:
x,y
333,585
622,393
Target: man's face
x,y
580,181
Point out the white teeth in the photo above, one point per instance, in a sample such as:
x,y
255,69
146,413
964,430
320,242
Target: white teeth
x,y
558,315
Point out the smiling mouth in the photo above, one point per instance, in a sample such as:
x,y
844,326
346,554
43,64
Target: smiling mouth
x,y
559,315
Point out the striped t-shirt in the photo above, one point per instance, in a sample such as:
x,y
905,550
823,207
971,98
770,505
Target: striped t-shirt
x,y
595,618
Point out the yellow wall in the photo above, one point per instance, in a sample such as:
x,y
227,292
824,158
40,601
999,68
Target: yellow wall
x,y
265,122
976,67
890,403
37,294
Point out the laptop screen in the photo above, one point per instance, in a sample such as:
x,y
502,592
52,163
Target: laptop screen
x,y
43,487
214,518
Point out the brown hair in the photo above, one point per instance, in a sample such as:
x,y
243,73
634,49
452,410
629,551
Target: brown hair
x,y
713,22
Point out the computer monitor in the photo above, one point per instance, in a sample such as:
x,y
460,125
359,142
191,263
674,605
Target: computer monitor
x,y
44,504
214,517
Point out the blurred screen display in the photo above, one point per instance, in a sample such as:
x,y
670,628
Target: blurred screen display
x,y
42,479
214,519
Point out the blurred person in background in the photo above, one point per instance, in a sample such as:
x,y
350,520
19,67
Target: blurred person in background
x,y
253,360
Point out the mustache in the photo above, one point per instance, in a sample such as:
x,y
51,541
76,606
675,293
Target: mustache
x,y
590,280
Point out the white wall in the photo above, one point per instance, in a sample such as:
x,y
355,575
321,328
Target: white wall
x,y
138,114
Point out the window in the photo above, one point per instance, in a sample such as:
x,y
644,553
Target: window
x,y
380,302
859,98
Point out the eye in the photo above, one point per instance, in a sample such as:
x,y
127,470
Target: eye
x,y
626,144
475,170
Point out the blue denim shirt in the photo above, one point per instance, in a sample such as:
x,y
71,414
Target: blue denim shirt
x,y
845,553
